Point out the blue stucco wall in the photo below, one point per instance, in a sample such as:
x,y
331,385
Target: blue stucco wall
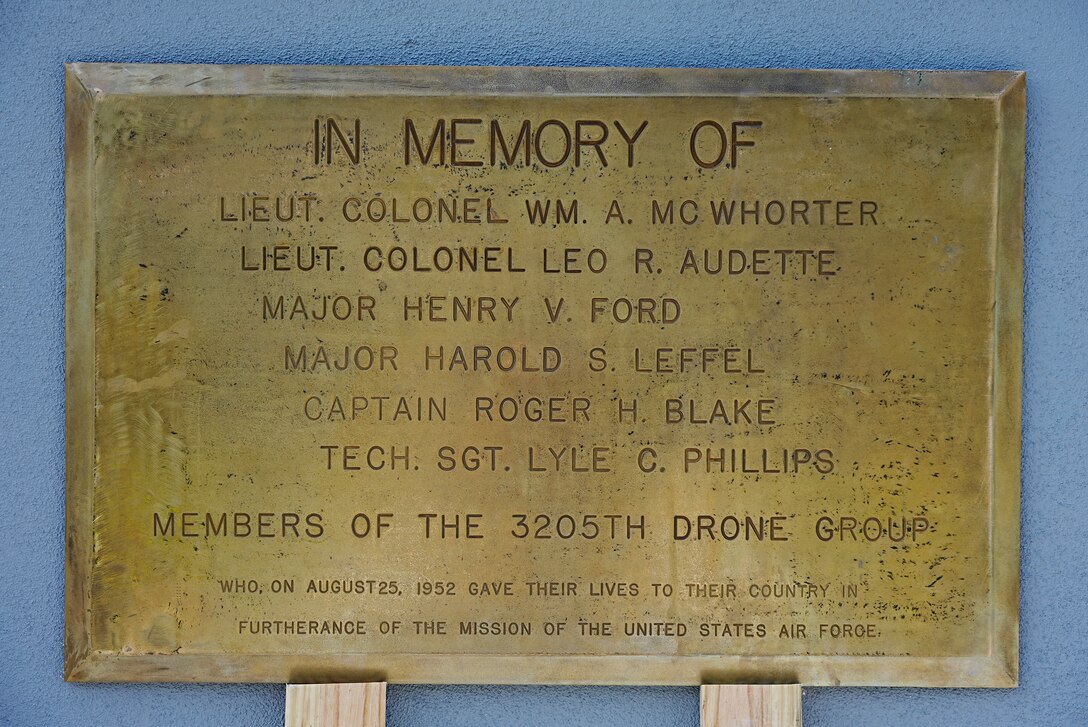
x,y
1048,39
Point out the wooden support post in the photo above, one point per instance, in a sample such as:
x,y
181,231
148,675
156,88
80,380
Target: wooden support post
x,y
335,705
750,705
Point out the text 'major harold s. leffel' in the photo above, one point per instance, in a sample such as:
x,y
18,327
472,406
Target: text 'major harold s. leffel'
x,y
543,375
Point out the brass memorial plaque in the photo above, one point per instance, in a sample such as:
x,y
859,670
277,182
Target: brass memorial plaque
x,y
543,375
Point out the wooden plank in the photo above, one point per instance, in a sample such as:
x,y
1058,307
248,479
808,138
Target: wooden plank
x,y
750,705
335,705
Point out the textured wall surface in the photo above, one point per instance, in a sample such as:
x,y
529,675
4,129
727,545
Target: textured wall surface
x,y
1048,39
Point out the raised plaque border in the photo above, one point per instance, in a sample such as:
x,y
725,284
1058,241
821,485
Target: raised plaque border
x,y
88,84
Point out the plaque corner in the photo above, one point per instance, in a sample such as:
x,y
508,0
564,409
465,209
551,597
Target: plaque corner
x,y
79,84
1016,82
77,659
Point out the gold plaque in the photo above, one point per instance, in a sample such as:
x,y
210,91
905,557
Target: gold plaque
x,y
543,375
